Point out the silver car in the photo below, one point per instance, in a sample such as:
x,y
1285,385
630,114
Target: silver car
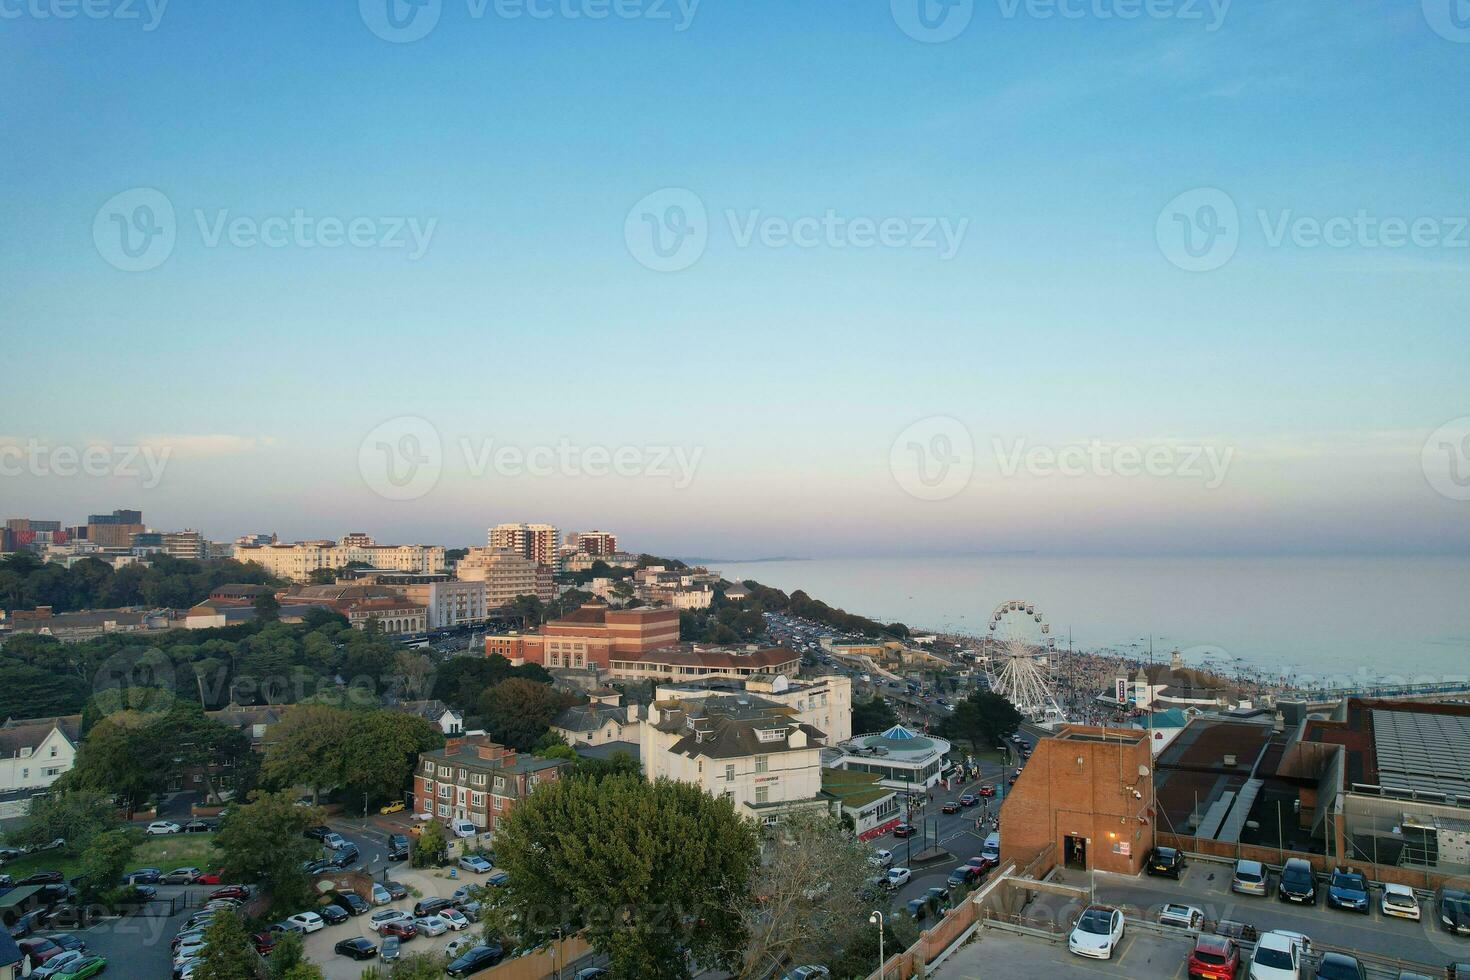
x,y
1249,878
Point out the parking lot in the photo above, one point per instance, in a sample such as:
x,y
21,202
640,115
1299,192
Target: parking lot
x,y
1145,954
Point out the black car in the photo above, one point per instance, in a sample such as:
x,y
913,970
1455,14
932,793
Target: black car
x,y
396,889
1339,966
143,876
317,832
397,847
43,878
346,857
475,959
197,826
428,906
318,867
333,914
358,949
67,941
1298,883
351,902
1168,861
905,830
1454,909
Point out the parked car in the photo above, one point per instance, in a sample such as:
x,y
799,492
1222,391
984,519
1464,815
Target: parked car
x,y
351,902
880,858
397,889
455,918
428,906
1099,931
180,876
1279,955
1454,909
211,877
346,857
1213,958
1400,901
333,914
430,925
68,942
475,959
381,895
308,921
905,830
231,891
382,916
397,847
58,963
812,972
1249,878
39,949
964,875
462,828
395,807
43,878
197,826
334,840
318,832
83,969
278,929
159,828
991,848
358,948
142,876
898,877
475,863
1348,889
1166,861
950,806
1298,883
390,949
1339,966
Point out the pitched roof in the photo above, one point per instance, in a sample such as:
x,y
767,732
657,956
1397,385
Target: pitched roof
x,y
17,737
732,727
588,717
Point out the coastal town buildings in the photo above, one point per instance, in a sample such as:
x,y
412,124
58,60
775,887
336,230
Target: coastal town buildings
x,y
33,755
603,720
900,757
823,701
296,562
507,575
599,544
539,542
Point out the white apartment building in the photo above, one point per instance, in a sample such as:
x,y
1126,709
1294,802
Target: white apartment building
x,y
506,574
452,602
601,720
823,701
749,750
297,561
539,542
185,544
33,755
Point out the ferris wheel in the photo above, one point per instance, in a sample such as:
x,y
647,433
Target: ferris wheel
x,y
1024,645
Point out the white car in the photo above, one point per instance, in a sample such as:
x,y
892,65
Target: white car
x,y
1099,931
58,963
1279,955
1401,901
455,918
308,921
881,858
381,895
382,918
189,951
159,827
898,877
461,945
431,925
463,828
1181,916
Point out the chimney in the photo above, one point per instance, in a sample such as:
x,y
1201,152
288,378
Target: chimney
x,y
452,746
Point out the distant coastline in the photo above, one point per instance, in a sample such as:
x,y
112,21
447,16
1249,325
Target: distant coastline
x,y
734,561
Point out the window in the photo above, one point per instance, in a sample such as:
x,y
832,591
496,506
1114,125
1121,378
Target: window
x,y
730,773
477,799
761,763
763,794
443,809
463,775
53,751
701,767
58,770
444,789
770,734
478,780
500,782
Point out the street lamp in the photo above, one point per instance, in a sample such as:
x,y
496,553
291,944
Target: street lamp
x,y
876,919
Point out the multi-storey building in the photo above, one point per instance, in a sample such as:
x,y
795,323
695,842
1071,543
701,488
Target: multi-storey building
x,y
692,661
506,574
602,720
749,750
538,542
33,755
474,779
823,701
297,561
184,544
592,636
598,543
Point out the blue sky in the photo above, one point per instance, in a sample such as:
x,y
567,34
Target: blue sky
x,y
785,374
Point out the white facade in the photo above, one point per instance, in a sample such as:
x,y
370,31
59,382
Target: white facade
x,y
297,561
824,702
34,767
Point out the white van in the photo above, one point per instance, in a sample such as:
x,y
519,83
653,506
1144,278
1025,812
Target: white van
x,y
991,848
463,828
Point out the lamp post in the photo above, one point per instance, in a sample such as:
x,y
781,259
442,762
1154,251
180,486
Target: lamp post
x,y
876,919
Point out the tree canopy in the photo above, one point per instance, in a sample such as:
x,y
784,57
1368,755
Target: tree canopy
x,y
262,842
364,753
517,712
984,718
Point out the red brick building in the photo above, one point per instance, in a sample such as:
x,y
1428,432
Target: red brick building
x,y
474,779
1089,793
591,636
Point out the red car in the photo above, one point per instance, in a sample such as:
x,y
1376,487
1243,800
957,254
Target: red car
x,y
1214,958
969,799
403,930
39,950
982,864
231,891
263,942
987,790
904,830
209,877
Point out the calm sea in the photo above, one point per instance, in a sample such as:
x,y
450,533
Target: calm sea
x,y
1311,619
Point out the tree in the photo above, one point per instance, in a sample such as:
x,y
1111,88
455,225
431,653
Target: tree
x,y
369,754
801,901
873,715
262,843
984,718
288,953
415,966
517,712
27,691
462,681
860,955
103,861
76,816
310,748
228,954
303,971
428,850
383,749
648,870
